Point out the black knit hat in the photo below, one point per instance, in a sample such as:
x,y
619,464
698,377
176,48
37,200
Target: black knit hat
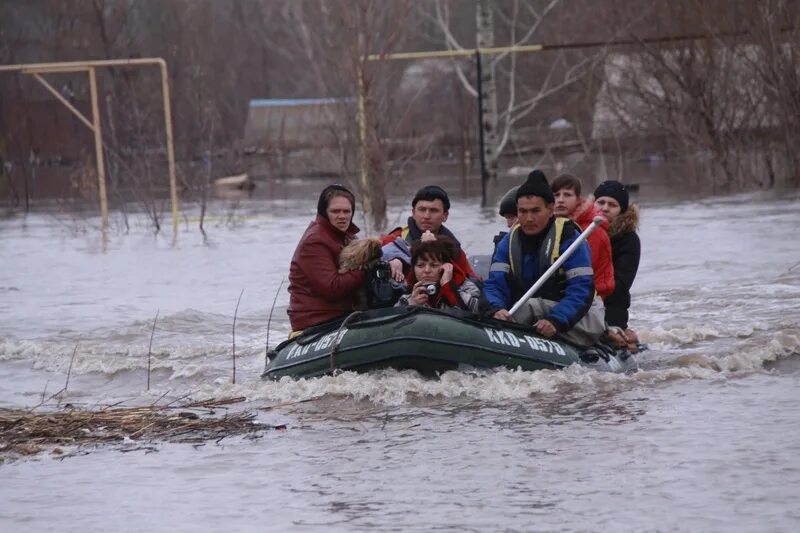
x,y
615,190
324,199
430,193
508,204
536,185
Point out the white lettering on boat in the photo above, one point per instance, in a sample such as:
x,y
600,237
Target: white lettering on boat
x,y
323,343
545,345
508,338
512,339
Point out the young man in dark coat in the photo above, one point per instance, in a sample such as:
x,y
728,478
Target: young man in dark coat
x,y
429,210
317,291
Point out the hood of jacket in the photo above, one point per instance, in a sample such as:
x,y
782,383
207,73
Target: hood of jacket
x,y
627,222
585,213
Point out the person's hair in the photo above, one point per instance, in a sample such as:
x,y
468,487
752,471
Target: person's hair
x,y
442,249
429,193
330,192
330,195
566,181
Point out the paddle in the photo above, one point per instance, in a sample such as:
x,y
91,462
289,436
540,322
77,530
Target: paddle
x,y
560,261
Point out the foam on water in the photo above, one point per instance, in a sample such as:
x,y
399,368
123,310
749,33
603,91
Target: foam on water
x,y
204,370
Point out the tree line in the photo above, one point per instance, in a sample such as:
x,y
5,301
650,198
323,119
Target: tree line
x,y
712,83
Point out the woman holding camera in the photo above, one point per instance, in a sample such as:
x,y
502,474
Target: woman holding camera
x,y
436,281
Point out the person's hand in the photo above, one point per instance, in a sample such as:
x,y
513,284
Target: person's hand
x,y
545,328
503,314
397,269
427,236
447,274
419,294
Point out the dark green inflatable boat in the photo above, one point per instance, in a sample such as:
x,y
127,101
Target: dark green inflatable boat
x,y
429,341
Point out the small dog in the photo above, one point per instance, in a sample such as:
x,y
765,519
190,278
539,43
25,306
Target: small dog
x,y
360,254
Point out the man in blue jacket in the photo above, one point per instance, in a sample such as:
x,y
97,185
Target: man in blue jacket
x,y
564,303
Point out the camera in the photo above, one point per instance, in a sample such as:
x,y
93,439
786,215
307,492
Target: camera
x,y
383,272
432,289
382,290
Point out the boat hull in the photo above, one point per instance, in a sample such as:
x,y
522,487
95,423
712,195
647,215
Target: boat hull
x,y
429,341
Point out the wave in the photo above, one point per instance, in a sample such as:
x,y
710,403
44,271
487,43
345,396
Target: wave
x,y
203,369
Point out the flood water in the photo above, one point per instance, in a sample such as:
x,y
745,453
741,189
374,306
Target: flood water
x,y
706,437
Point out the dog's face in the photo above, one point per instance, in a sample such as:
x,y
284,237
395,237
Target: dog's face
x,y
358,253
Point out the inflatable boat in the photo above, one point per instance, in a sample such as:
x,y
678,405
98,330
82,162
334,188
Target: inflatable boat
x,y
430,341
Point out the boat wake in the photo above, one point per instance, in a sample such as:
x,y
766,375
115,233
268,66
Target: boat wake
x,y
115,361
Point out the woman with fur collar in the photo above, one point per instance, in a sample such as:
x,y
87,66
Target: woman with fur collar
x,y
612,200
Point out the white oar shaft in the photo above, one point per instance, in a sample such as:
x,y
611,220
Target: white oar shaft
x,y
555,266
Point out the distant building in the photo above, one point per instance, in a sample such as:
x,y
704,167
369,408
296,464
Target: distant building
x,y
287,124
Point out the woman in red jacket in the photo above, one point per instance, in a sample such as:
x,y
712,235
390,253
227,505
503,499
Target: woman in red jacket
x,y
318,292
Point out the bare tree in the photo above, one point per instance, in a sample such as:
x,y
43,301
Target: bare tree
x,y
713,95
511,93
775,29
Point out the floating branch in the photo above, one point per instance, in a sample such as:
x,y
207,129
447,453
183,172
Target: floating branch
x,y
71,360
233,334
150,348
269,320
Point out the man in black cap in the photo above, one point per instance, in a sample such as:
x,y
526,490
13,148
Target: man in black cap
x,y
429,210
562,305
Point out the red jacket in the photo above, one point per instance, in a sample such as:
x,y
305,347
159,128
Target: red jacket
x,y
409,233
600,244
317,291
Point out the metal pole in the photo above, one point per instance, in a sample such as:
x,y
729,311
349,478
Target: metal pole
x,y
362,138
481,142
98,148
173,188
75,66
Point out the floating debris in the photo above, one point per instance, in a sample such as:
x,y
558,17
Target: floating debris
x,y
28,432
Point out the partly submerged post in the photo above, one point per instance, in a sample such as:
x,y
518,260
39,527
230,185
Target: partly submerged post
x,y
481,141
98,150
362,139
173,188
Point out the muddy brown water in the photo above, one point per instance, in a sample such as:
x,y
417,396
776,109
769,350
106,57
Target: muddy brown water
x,y
704,437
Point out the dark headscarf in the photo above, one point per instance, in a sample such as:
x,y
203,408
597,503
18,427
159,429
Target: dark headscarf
x,y
325,196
